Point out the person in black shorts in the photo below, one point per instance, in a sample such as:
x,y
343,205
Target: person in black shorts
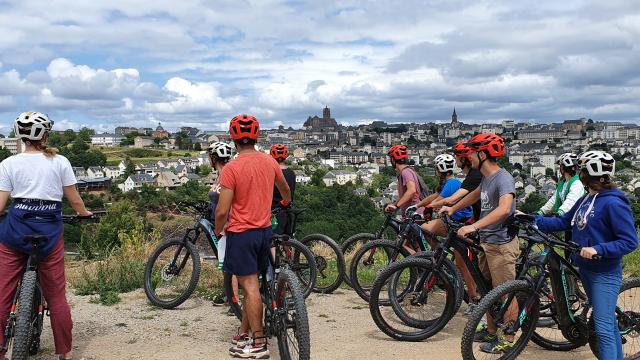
x,y
280,153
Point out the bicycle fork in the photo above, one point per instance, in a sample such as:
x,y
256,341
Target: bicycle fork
x,y
11,322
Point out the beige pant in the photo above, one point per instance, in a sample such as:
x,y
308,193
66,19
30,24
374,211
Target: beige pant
x,y
498,262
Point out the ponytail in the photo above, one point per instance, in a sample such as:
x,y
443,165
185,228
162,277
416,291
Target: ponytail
x,y
41,145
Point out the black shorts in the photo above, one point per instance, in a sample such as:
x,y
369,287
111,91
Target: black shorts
x,y
247,252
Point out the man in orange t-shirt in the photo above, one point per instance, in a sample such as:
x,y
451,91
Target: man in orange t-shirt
x,y
244,212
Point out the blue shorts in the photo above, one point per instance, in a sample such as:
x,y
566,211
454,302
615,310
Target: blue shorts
x,y
247,252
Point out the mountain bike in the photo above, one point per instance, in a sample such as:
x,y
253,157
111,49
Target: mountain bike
x,y
26,319
355,242
173,269
425,290
516,305
376,255
285,312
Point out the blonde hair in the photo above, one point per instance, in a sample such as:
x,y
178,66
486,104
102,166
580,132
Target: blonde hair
x,y
41,145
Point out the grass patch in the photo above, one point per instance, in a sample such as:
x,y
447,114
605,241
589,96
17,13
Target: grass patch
x,y
631,263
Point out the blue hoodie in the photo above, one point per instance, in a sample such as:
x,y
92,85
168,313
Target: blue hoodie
x,y
609,229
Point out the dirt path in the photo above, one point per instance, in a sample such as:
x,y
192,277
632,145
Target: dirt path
x,y
341,328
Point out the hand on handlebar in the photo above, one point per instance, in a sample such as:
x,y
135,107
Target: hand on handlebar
x,y
390,208
467,230
85,214
589,253
446,210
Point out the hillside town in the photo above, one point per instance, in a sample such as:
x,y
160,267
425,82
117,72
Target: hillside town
x,y
356,154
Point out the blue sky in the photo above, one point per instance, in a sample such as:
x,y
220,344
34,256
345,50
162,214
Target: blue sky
x,y
198,63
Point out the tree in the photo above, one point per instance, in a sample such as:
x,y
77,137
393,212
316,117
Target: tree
x,y
532,203
85,134
549,172
197,147
4,153
380,181
130,167
316,177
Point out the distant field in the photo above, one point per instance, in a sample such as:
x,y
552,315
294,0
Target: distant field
x,y
118,153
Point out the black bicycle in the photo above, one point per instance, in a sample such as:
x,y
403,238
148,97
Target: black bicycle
x,y
355,242
426,289
516,306
327,254
26,319
285,312
173,269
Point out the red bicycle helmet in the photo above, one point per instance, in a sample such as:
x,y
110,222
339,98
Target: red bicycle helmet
x,y
279,151
491,143
461,150
398,152
244,127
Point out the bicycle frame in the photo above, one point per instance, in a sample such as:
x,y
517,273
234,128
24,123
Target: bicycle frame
x,y
389,221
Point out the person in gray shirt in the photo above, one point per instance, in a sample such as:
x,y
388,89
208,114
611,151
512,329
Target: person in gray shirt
x,y
497,200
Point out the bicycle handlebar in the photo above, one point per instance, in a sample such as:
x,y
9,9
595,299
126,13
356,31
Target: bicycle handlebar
x,y
74,219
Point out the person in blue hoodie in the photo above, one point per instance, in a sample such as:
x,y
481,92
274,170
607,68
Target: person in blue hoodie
x,y
603,224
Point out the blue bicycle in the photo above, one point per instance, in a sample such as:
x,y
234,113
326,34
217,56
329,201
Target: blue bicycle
x,y
173,269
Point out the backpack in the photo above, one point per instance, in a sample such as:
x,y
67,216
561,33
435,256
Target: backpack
x,y
423,190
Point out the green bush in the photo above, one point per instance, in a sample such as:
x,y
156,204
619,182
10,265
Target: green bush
x,y
122,217
143,153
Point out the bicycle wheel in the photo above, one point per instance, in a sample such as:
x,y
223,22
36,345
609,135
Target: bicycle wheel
x,y
329,261
452,271
447,269
350,247
523,306
293,324
434,306
37,321
628,317
172,273
368,263
24,326
547,334
299,259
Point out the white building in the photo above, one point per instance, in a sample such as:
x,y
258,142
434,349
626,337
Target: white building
x,y
537,169
112,172
14,145
106,139
339,177
548,160
95,172
301,177
136,181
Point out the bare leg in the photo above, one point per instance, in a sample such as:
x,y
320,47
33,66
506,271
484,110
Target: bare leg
x,y
252,306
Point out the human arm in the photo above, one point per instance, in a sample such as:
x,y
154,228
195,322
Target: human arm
x,y
624,239
470,199
575,193
498,215
454,198
283,188
75,201
411,190
560,223
4,198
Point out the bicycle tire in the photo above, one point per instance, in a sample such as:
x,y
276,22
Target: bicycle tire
x,y
299,320
322,264
37,324
452,272
349,246
24,328
495,296
539,338
419,334
193,281
388,246
627,284
293,263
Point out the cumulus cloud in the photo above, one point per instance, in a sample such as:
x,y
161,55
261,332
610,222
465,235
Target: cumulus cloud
x,y
192,62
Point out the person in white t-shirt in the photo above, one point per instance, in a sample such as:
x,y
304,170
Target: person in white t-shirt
x,y
37,179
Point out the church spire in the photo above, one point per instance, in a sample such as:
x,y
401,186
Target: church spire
x,y
454,118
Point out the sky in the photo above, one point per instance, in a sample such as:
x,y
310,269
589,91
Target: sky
x,y
198,63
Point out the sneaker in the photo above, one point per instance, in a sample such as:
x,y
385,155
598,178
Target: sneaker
x,y
250,351
496,346
219,300
470,309
241,340
483,335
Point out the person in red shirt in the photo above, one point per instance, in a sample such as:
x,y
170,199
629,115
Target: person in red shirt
x,y
244,213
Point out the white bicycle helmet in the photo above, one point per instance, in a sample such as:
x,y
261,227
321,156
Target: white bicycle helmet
x,y
597,163
444,163
221,150
567,160
32,125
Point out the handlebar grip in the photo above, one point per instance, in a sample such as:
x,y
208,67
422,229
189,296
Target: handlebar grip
x,y
596,257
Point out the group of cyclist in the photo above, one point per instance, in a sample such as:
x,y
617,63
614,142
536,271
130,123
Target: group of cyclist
x,y
586,206
252,184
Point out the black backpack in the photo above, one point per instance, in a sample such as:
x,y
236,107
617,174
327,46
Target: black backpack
x,y
423,189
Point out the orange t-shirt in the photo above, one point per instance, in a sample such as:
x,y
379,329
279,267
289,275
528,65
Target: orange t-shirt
x,y
251,177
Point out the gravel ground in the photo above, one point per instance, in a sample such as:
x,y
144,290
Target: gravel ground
x,y
341,328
